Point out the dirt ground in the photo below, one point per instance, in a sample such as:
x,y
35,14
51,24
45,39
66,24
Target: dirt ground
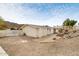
x,y
25,46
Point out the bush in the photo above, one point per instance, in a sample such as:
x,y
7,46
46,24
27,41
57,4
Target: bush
x,y
69,22
60,30
65,31
54,38
74,31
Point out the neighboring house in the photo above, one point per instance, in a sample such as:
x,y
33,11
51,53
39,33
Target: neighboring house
x,y
36,31
76,27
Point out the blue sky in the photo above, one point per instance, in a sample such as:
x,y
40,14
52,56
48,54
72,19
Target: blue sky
x,y
39,13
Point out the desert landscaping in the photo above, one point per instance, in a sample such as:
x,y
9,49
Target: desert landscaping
x,y
33,40
39,29
50,45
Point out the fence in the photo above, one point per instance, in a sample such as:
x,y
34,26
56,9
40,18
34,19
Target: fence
x,y
4,33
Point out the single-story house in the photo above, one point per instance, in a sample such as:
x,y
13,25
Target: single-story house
x,y
36,30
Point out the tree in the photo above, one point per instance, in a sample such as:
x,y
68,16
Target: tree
x,y
2,23
69,22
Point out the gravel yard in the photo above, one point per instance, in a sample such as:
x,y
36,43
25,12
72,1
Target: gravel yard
x,y
26,46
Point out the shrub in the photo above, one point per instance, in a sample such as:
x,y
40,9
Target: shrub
x,y
69,22
66,31
60,30
54,38
74,31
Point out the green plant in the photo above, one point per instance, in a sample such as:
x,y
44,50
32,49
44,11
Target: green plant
x,y
2,24
69,22
60,30
74,31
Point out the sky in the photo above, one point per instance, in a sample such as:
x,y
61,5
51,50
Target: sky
x,y
50,14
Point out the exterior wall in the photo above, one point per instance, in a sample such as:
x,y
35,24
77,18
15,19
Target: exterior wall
x,y
29,31
42,32
4,33
37,31
76,27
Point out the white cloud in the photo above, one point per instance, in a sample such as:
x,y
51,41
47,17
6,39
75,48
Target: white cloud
x,y
16,13
20,14
10,11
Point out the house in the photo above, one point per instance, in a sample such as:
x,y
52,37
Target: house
x,y
36,30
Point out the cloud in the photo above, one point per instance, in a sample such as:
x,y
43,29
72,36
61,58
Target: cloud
x,y
39,14
10,12
22,14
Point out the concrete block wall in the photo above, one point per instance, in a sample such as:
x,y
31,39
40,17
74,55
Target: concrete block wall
x,y
4,33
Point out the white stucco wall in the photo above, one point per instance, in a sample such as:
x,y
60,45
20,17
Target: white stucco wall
x,y
29,31
37,31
